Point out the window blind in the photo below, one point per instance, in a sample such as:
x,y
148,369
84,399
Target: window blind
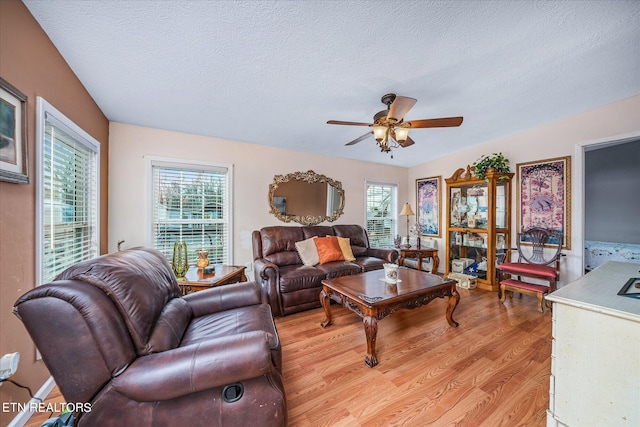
x,y
191,204
69,199
381,218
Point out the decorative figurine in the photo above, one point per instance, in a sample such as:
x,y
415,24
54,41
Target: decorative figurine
x,y
203,258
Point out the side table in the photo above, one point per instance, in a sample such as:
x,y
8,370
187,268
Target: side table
x,y
419,253
197,280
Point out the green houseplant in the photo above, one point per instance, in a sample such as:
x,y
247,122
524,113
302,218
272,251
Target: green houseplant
x,y
495,161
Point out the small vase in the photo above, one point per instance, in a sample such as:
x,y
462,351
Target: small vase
x,y
180,261
203,258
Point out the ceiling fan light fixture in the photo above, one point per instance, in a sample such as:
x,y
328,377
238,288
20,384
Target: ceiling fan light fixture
x,y
402,134
380,133
389,128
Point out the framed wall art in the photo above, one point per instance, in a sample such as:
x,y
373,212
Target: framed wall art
x,y
544,196
13,134
428,206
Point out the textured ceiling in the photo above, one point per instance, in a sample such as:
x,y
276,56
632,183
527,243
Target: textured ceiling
x,y
274,72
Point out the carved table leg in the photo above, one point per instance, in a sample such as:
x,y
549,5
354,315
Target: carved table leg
x,y
540,306
453,303
326,305
371,331
435,262
503,293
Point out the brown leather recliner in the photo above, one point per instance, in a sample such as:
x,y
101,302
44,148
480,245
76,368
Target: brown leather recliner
x,y
115,333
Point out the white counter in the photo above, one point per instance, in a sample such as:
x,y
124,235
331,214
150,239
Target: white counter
x,y
595,361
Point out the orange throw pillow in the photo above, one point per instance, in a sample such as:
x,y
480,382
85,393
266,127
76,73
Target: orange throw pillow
x,y
328,249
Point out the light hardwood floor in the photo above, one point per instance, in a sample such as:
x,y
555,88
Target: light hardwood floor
x,y
493,370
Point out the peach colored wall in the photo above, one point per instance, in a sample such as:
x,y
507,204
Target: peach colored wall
x,y
255,166
30,62
556,139
254,169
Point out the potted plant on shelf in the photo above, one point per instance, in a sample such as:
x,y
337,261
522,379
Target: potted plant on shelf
x,y
496,162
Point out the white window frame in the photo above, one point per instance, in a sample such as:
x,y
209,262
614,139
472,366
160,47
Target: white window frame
x,y
151,161
47,112
393,208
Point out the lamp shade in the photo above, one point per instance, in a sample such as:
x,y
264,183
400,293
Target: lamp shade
x,y
406,210
401,134
380,133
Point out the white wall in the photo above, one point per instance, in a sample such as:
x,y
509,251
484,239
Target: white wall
x,y
560,138
254,169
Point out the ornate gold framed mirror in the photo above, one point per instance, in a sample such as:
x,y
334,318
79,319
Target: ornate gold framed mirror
x,y
307,198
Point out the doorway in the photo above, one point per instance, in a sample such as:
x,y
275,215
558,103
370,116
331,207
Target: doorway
x,y
610,201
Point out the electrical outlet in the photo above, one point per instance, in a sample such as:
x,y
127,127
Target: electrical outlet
x,y
9,365
249,266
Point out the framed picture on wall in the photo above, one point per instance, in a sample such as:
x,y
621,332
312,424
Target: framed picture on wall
x,y
13,134
428,206
544,196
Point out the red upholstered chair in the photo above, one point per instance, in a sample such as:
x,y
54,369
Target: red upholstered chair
x,y
534,262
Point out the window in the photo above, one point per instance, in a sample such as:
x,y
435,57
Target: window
x,y
381,213
190,202
67,193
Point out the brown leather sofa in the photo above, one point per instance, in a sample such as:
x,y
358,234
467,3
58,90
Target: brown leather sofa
x,y
289,286
115,333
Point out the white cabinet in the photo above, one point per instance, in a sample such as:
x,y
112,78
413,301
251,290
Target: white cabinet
x,y
595,360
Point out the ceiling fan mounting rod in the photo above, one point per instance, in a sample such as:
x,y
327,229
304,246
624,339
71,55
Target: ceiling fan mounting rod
x,y
388,99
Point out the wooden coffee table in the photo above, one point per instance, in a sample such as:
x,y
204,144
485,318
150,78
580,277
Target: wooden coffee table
x,y
372,299
197,280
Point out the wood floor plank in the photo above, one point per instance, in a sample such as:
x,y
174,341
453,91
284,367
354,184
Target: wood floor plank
x,y
493,370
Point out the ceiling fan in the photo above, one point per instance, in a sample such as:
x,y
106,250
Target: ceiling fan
x,y
389,128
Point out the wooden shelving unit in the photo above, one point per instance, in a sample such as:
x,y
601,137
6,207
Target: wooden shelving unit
x,y
478,224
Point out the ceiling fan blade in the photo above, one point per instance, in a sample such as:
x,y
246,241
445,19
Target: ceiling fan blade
x,y
444,122
400,106
363,137
339,122
407,142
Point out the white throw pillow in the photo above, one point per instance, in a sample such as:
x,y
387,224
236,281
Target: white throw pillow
x,y
308,252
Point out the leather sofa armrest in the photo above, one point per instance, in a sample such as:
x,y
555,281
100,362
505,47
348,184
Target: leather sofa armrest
x,y
265,269
223,298
269,276
389,255
191,369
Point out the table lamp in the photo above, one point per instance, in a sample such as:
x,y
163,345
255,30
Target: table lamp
x,y
407,211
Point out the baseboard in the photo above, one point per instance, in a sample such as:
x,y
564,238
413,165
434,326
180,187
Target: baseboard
x,y
21,419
